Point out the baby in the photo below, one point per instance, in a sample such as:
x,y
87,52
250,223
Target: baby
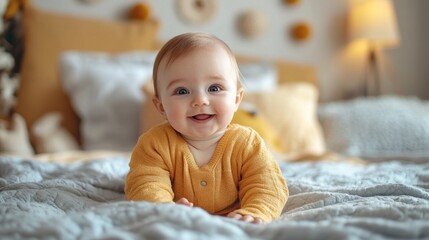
x,y
198,158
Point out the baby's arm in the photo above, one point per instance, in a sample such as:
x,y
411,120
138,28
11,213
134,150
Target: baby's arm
x,y
149,177
263,191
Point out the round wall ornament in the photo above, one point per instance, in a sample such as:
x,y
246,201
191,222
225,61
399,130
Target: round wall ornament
x,y
196,11
291,2
300,31
252,23
139,11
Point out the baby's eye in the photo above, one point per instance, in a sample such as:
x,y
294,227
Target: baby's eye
x,y
214,88
181,91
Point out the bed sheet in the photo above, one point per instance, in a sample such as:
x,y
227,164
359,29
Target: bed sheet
x,y
328,200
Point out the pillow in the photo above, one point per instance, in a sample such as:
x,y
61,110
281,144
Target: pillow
x,y
258,76
386,126
105,92
247,115
47,35
291,110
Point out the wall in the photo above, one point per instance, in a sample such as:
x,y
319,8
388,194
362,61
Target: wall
x,y
339,68
411,58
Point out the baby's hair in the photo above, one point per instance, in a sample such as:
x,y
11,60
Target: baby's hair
x,y
183,44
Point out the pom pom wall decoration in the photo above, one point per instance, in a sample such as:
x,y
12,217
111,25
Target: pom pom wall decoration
x,y
251,23
291,2
300,32
140,11
196,11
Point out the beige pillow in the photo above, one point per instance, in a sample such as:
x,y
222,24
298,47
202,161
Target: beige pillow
x,y
291,111
47,35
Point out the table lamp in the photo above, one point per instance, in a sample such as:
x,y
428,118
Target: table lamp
x,y
374,22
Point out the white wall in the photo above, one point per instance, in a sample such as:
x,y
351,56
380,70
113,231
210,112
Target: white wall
x,y
340,72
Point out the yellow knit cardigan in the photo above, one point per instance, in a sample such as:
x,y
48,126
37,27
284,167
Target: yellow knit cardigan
x,y
241,176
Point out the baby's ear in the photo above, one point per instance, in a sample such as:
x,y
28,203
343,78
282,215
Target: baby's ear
x,y
149,115
158,105
239,97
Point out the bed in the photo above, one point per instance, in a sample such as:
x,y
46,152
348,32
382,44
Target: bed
x,y
355,169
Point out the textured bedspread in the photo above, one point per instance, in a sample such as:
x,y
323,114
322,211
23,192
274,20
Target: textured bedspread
x,y
85,200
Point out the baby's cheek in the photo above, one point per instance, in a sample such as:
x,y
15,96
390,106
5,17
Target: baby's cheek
x,y
176,109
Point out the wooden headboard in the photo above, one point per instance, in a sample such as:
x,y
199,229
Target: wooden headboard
x,y
287,71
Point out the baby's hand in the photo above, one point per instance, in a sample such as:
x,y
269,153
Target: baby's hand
x,y
245,218
185,202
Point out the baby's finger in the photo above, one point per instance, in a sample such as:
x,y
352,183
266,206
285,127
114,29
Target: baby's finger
x,y
234,215
258,221
247,218
185,202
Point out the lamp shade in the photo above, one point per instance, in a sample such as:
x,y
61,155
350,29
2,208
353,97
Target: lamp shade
x,y
374,21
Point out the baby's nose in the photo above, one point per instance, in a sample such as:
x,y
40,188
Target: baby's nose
x,y
200,99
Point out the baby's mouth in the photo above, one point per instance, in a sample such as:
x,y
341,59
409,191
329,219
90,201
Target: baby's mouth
x,y
202,117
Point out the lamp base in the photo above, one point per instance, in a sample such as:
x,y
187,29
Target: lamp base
x,y
372,85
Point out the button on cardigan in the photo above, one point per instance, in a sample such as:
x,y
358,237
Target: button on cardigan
x,y
241,176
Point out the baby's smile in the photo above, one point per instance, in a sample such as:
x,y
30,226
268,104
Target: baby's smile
x,y
202,117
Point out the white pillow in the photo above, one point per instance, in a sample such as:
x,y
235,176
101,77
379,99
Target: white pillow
x,y
258,76
105,92
386,126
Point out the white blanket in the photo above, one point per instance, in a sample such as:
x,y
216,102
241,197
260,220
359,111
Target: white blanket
x,y
85,200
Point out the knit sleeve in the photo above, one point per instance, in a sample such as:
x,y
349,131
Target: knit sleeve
x,y
263,190
148,178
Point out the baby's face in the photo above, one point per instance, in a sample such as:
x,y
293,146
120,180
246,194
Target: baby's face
x,y
197,92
